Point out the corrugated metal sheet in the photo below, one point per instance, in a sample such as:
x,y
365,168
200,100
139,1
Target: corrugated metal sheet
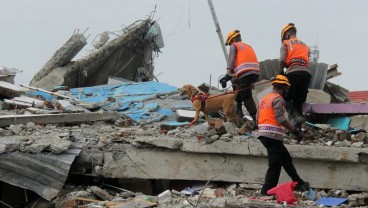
x,y
42,173
358,96
270,68
319,75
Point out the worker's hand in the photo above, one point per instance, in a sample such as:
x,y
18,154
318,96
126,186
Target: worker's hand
x,y
224,80
298,134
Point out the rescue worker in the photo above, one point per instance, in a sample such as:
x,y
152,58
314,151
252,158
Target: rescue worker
x,y
294,56
243,70
272,123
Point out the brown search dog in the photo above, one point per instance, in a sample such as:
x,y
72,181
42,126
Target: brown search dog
x,y
212,103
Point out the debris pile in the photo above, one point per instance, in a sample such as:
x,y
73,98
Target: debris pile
x,y
72,126
219,195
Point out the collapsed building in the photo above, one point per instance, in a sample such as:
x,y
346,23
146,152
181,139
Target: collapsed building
x,y
73,139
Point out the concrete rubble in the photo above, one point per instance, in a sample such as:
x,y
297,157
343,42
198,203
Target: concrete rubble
x,y
120,128
74,140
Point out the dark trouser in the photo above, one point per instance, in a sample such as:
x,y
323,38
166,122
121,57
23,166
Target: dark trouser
x,y
298,90
278,156
245,95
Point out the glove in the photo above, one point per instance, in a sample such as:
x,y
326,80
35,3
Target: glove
x,y
298,134
224,80
281,72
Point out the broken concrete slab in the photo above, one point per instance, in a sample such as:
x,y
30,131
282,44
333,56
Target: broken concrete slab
x,y
359,122
7,120
61,57
52,144
35,102
161,142
10,144
338,93
184,115
53,78
67,107
12,104
318,97
41,111
11,90
174,165
358,200
111,58
255,148
8,74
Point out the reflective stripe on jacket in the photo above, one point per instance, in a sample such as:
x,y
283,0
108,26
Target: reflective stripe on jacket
x,y
297,53
267,121
246,59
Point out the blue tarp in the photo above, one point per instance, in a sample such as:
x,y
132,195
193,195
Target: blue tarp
x,y
330,201
342,123
41,94
126,98
176,123
129,99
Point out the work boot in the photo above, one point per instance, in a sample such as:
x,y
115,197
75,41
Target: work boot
x,y
239,110
254,117
302,186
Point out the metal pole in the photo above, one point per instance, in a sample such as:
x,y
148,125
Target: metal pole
x,y
218,29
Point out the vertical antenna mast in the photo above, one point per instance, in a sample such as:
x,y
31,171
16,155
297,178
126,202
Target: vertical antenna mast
x,y
218,29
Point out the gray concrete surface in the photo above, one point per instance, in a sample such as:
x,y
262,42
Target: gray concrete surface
x,y
7,120
323,167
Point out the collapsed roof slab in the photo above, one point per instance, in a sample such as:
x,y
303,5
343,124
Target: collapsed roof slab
x,y
120,57
324,167
61,57
128,56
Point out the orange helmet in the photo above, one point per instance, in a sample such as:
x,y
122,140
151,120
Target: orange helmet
x,y
231,36
281,79
285,29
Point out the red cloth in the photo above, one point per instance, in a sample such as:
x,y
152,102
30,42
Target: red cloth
x,y
284,192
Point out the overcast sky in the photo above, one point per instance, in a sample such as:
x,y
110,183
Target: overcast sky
x,y
31,31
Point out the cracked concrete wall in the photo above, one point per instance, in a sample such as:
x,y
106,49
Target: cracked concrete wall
x,y
323,166
144,163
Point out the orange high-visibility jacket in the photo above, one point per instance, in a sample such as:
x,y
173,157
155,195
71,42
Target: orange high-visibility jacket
x,y
246,59
266,116
297,53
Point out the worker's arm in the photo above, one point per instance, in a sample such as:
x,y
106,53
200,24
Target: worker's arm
x,y
280,114
282,59
281,118
231,59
